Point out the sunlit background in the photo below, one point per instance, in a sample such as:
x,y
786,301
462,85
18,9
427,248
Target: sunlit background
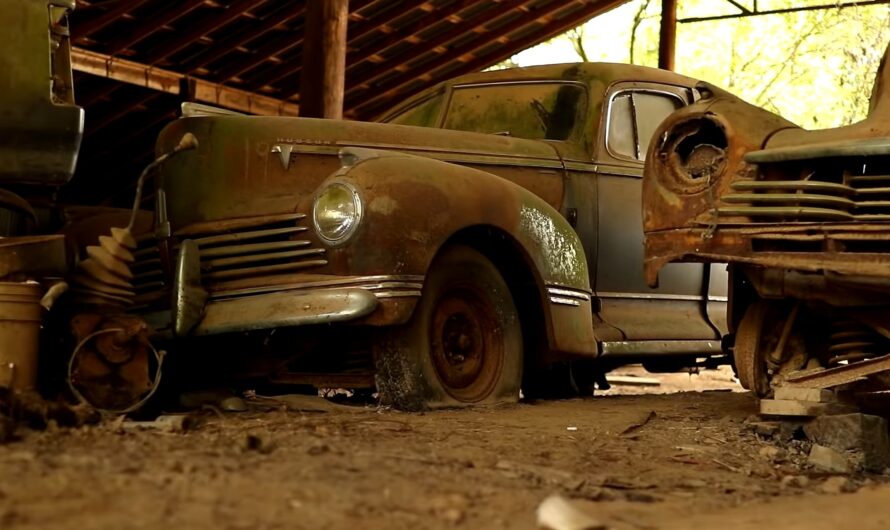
x,y
815,68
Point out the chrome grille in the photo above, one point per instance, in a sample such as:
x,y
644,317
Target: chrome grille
x,y
254,247
859,198
148,274
232,250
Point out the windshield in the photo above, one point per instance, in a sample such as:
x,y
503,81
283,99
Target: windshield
x,y
537,111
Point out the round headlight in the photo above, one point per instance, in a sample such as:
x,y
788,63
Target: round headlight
x,y
337,212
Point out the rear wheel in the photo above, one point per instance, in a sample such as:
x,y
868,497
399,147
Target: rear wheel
x,y
463,345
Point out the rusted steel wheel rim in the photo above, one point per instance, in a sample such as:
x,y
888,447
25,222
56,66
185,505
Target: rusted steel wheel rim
x,y
466,344
749,353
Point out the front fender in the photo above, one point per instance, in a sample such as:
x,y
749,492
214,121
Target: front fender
x,y
414,205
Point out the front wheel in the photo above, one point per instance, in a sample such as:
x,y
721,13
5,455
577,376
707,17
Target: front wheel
x,y
463,344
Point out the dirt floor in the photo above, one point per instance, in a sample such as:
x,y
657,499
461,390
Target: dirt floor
x,y
675,461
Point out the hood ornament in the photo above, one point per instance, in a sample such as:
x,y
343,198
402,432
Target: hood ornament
x,y
284,151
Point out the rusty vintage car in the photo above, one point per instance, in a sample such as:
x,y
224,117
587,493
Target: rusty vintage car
x,y
803,217
490,228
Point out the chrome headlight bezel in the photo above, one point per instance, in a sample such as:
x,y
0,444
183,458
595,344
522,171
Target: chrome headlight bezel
x,y
353,218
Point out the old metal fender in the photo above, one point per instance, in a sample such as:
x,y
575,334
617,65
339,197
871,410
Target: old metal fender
x,y
413,206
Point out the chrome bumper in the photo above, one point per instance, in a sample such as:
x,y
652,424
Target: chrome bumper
x,y
197,312
284,310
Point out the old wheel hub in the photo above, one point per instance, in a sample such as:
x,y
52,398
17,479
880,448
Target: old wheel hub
x,y
466,345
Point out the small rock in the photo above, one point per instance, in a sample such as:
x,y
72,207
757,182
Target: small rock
x,y
451,508
453,516
836,485
641,496
692,483
769,452
795,481
767,429
854,432
762,470
557,513
233,404
257,442
318,449
828,460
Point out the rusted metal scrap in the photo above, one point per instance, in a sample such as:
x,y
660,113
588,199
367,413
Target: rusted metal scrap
x,y
803,219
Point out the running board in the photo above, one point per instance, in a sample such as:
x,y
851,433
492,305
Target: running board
x,y
659,347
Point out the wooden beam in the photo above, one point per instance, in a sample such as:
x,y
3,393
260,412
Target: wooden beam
x,y
667,37
484,37
161,80
289,71
272,48
760,12
372,106
324,59
84,29
478,23
271,21
153,24
206,26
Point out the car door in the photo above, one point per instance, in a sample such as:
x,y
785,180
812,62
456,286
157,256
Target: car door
x,y
675,309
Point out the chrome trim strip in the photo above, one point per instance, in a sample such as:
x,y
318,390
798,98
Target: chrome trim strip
x,y
467,157
619,171
658,296
588,167
397,294
660,347
568,293
411,283
565,301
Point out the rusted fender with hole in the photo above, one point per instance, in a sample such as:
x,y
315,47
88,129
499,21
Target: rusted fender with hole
x,y
698,152
414,206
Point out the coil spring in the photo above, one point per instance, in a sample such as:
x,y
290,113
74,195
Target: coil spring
x,y
850,341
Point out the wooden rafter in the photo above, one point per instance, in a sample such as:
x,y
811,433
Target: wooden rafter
x,y
281,16
291,69
208,25
489,32
372,106
272,48
88,27
151,25
477,23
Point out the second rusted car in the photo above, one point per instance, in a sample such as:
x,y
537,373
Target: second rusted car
x,y
489,229
804,219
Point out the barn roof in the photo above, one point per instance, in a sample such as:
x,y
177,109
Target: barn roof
x,y
135,61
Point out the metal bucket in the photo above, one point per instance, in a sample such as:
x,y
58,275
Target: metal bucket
x,y
20,318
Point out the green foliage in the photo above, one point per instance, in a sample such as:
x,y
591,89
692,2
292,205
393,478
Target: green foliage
x,y
815,68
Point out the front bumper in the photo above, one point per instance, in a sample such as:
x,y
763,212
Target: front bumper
x,y
195,311
284,309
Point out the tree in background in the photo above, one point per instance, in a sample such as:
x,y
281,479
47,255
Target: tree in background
x,y
816,68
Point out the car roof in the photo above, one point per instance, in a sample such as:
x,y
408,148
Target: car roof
x,y
604,73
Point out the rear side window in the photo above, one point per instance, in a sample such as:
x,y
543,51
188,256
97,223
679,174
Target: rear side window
x,y
423,114
633,118
537,111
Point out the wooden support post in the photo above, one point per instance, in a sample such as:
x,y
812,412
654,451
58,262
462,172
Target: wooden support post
x,y
667,41
323,78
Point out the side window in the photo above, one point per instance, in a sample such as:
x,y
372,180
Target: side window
x,y
633,118
424,114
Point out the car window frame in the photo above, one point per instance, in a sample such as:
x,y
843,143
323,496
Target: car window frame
x,y
678,92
